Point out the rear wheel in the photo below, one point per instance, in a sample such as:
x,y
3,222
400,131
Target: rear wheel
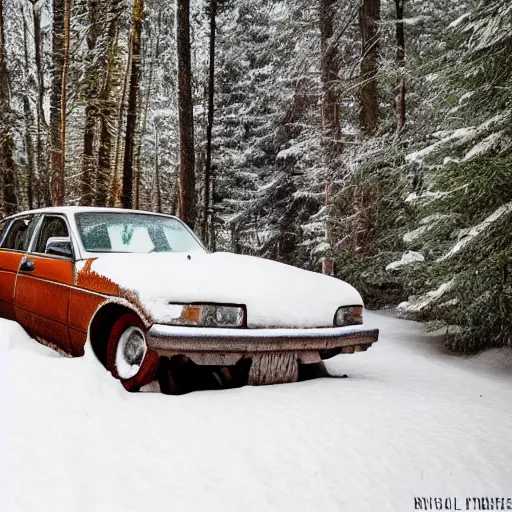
x,y
128,357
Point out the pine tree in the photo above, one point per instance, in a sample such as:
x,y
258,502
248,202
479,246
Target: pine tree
x,y
330,67
369,19
208,227
7,170
187,180
43,186
400,58
57,178
28,120
91,99
107,106
131,118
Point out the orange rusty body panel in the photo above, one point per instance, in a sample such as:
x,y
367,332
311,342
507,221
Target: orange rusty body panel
x,y
77,341
82,306
10,260
9,264
48,330
87,279
44,294
89,292
44,298
52,269
55,301
42,290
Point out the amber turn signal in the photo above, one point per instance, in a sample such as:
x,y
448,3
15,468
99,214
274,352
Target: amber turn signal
x,y
191,314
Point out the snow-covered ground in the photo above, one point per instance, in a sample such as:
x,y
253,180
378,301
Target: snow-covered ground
x,y
409,421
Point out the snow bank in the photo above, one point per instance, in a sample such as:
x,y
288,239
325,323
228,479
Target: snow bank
x,y
407,259
408,421
14,338
276,295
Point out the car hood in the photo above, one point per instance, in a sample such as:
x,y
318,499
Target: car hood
x,y
275,294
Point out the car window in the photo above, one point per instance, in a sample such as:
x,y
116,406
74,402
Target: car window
x,y
52,226
134,233
19,233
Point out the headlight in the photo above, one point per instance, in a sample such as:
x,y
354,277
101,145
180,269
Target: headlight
x,y
348,315
208,315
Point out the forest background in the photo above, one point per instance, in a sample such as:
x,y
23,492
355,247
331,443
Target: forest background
x,y
369,139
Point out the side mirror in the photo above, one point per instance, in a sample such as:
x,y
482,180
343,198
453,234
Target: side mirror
x,y
59,246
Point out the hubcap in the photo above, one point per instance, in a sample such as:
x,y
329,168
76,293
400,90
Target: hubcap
x,y
130,352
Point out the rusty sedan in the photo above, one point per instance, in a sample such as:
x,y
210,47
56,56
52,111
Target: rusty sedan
x,y
151,300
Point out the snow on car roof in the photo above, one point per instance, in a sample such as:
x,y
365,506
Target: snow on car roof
x,y
82,209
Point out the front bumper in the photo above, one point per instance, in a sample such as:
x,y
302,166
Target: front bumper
x,y
219,346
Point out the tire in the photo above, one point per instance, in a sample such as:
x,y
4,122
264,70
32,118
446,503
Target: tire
x,y
128,336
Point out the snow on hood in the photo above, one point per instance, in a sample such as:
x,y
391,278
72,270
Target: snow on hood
x,y
276,295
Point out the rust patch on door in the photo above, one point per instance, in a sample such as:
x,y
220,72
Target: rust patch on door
x,y
88,279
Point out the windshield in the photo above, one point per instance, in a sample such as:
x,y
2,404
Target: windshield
x,y
134,233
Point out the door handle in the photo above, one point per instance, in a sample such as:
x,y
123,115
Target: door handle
x,y
27,266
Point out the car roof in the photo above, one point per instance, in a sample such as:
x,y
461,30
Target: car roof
x,y
83,209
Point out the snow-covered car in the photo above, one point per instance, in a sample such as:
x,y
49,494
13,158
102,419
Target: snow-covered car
x,y
151,299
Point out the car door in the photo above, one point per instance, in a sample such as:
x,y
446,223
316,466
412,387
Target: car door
x,y
43,285
14,240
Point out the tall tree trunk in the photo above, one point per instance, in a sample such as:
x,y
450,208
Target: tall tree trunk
x,y
91,98
28,120
107,112
330,67
212,245
369,21
400,58
115,189
43,192
157,174
63,102
86,182
145,106
7,171
175,197
131,118
187,179
105,149
209,125
57,189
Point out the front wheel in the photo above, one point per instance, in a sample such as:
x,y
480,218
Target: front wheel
x,y
128,357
